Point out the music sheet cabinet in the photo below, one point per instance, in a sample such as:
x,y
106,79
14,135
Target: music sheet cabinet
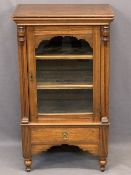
x,y
63,53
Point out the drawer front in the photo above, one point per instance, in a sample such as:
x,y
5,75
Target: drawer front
x,y
64,135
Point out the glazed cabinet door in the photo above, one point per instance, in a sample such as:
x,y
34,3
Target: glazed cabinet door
x,y
64,73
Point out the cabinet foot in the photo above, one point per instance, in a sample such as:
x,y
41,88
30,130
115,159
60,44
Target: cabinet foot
x,y
102,165
28,163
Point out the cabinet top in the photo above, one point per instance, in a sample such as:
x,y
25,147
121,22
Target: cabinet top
x,y
63,10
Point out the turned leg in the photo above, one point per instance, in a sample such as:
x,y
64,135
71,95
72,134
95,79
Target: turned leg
x,y
102,163
28,163
26,146
103,147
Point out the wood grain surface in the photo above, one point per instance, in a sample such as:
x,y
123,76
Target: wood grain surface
x,y
63,10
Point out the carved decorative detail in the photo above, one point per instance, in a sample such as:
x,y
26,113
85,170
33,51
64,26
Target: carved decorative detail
x,y
21,34
105,33
28,165
59,45
104,119
25,120
92,149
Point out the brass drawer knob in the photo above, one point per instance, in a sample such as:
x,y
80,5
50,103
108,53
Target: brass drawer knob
x,y
65,135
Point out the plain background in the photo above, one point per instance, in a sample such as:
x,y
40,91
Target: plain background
x,y
120,71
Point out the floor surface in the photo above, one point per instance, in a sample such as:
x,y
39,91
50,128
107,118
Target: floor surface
x,y
65,162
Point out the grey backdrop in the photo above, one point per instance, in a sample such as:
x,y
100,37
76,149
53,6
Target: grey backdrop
x,y
120,70
120,97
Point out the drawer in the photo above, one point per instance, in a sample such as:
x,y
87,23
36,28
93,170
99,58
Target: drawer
x,y
64,135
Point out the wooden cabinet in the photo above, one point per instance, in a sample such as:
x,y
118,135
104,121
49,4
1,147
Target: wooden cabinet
x,y
64,77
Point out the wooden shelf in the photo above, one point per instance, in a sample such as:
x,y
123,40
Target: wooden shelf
x,y
63,57
67,114
41,85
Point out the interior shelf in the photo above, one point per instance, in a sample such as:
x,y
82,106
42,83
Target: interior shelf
x,y
41,85
63,57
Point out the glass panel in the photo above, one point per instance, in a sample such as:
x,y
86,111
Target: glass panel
x,y
64,71
64,75
63,45
65,101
